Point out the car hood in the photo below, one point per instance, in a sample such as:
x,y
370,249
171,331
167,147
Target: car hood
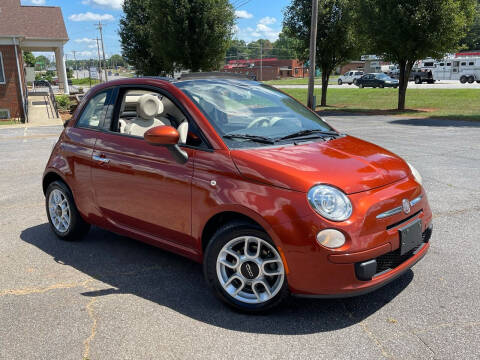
x,y
348,163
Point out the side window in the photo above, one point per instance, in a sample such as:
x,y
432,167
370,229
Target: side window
x,y
96,110
2,72
141,110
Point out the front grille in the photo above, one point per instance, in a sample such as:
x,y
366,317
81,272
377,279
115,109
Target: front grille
x,y
391,260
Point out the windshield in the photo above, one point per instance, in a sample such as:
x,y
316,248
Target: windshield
x,y
383,77
240,107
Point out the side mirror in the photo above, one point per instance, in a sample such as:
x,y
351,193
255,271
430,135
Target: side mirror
x,y
166,136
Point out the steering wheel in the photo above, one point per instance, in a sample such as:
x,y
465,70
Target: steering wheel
x,y
259,122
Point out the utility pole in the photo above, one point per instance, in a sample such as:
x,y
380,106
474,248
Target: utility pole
x,y
313,49
261,60
99,60
100,27
75,59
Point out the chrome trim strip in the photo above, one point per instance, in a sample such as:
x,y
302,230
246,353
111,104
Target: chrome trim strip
x,y
397,210
415,201
390,213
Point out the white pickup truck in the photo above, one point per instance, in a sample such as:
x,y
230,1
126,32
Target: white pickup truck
x,y
350,77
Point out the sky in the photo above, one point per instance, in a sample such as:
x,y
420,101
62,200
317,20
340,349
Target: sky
x,y
255,19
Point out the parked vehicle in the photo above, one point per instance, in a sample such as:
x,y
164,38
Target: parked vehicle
x,y
41,83
241,177
350,77
462,69
375,80
417,75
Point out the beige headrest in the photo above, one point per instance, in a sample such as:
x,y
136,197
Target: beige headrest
x,y
149,106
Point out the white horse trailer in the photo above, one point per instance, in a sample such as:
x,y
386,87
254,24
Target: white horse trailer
x,y
463,69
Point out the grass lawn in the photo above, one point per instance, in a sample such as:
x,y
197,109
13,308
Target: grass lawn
x,y
9,122
84,81
300,81
463,104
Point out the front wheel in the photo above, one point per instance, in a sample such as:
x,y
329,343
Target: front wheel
x,y
354,81
463,79
471,79
360,86
381,86
62,213
245,269
340,82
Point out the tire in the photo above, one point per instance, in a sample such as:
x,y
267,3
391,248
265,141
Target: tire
x,y
395,87
381,86
463,79
354,81
247,275
360,86
65,220
418,80
471,79
431,81
478,81
340,82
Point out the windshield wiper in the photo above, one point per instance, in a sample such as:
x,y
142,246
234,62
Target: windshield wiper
x,y
256,138
309,132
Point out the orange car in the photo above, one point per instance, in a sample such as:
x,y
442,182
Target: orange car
x,y
241,177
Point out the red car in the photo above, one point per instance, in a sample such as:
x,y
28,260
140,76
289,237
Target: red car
x,y
241,177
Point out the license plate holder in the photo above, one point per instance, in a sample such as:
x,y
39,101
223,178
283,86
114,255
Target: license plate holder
x,y
410,236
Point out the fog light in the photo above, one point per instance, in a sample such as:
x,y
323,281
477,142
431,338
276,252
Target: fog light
x,y
331,238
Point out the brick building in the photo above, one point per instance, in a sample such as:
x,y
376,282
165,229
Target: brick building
x,y
26,28
268,68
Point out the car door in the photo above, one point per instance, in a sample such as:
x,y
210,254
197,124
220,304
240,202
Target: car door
x,y
77,148
140,188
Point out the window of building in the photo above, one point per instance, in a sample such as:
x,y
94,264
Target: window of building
x,y
2,72
464,63
471,63
4,114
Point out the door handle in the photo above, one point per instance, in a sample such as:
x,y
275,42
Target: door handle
x,y
101,159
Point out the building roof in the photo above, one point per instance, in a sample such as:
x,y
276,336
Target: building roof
x,y
32,22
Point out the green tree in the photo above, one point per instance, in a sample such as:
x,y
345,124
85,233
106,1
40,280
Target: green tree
x,y
472,40
116,60
43,60
28,58
192,34
336,40
404,31
160,36
285,47
236,50
136,37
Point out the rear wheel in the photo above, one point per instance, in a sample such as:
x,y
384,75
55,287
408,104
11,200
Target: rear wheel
x,y
354,81
62,213
463,79
360,86
471,79
244,268
418,80
381,86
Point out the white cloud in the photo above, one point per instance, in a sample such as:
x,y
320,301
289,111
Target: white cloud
x,y
88,16
266,32
37,2
85,40
84,54
267,20
243,14
111,4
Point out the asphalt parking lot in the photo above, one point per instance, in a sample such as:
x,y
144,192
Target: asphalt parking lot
x,y
109,297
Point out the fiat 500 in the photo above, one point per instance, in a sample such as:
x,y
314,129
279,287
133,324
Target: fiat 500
x,y
241,177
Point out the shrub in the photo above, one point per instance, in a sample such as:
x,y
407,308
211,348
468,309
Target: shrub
x,y
63,102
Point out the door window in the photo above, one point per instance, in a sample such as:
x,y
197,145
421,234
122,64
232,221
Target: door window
x,y
141,110
96,110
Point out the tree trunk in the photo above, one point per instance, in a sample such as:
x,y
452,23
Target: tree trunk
x,y
325,78
405,69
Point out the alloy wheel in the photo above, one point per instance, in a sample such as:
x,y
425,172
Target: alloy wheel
x,y
59,210
250,270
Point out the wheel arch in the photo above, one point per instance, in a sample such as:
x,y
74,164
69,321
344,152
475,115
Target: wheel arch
x,y
51,176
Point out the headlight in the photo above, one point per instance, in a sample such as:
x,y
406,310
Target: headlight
x,y
330,202
415,173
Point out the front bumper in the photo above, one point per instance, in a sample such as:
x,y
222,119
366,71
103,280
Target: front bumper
x,y
315,271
